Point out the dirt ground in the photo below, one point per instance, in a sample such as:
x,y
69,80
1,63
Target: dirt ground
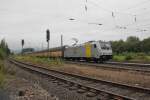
x,y
122,76
126,77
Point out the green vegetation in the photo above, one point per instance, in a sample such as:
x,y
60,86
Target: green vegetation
x,y
2,74
133,49
133,57
132,44
4,52
37,60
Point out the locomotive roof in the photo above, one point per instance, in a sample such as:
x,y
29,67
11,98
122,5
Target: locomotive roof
x,y
91,42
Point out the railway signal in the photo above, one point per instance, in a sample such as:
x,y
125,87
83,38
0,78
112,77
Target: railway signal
x,y
22,43
47,39
47,35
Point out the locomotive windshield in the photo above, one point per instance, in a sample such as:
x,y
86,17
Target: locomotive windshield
x,y
105,45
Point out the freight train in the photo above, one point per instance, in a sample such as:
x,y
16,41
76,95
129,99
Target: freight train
x,y
89,51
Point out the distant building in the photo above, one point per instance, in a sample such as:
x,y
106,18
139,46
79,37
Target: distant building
x,y
27,50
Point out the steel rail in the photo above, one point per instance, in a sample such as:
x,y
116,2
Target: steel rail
x,y
129,64
125,97
113,66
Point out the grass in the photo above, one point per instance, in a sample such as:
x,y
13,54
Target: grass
x,y
2,74
2,54
148,57
50,62
119,58
133,57
2,69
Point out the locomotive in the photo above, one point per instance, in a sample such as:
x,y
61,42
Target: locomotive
x,y
89,51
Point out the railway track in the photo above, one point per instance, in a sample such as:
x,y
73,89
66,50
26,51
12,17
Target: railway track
x,y
145,68
129,64
91,86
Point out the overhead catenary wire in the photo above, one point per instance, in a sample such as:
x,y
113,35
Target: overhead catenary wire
x,y
109,10
140,14
127,25
113,13
137,5
140,7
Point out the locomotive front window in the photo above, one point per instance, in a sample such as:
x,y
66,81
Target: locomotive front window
x,y
105,46
94,45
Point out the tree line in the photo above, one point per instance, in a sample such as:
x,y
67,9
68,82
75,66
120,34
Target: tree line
x,y
4,49
131,44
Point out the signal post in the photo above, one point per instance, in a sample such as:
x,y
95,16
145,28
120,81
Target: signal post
x,y
47,39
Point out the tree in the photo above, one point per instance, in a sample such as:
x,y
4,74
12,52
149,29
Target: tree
x,y
4,47
145,45
133,44
118,46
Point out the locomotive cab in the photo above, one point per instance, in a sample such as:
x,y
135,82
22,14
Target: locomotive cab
x,y
105,50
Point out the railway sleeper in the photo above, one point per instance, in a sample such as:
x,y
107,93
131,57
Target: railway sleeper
x,y
85,89
91,94
81,91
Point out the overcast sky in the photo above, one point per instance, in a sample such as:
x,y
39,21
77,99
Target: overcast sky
x,y
29,19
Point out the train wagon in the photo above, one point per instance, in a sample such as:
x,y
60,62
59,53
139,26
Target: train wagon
x,y
57,52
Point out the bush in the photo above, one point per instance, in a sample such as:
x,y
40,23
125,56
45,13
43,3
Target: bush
x,y
2,74
141,56
132,57
2,54
118,58
128,57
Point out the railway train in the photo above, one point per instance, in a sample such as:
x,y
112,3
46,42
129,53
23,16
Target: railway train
x,y
89,51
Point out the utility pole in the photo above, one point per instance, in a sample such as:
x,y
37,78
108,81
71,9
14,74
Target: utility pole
x,y
42,46
61,40
62,49
48,38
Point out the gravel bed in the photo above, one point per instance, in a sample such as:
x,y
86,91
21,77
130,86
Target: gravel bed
x,y
102,86
60,91
21,89
4,95
137,69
